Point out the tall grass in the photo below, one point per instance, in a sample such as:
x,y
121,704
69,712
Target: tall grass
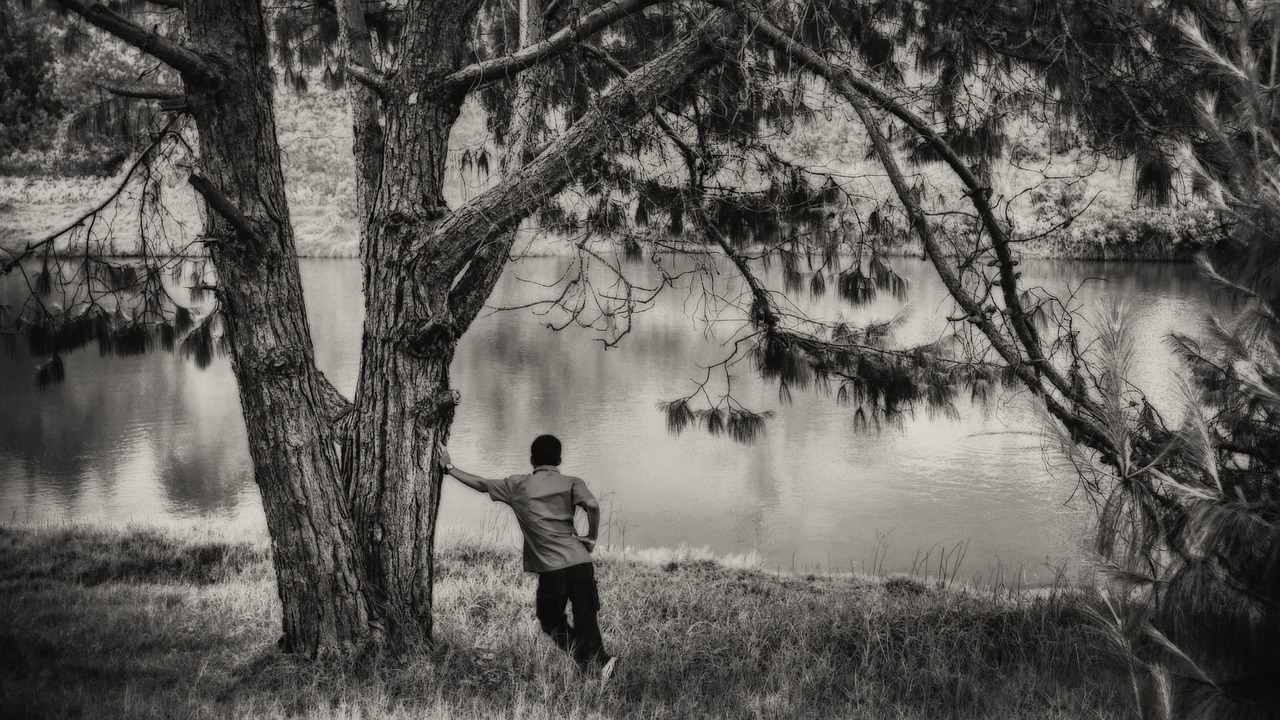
x,y
134,623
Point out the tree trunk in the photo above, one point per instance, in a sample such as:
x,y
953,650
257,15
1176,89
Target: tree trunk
x,y
403,404
320,578
426,269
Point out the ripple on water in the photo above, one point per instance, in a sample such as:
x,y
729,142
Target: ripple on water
x,y
1017,443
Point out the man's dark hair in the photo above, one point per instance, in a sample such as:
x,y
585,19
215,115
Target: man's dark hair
x,y
545,450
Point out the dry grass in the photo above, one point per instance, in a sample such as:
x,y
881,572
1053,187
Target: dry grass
x,y
135,623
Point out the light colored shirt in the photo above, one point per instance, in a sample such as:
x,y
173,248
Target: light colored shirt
x,y
544,502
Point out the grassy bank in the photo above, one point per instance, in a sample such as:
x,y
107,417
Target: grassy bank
x,y
137,623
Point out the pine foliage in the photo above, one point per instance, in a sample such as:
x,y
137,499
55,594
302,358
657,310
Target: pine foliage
x,y
1189,518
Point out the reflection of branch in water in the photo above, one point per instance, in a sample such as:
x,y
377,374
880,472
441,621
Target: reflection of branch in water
x,y
126,307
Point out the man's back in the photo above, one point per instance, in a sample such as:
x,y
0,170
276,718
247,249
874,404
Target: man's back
x,y
544,503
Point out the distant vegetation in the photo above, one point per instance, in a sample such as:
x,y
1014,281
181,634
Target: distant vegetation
x,y
52,119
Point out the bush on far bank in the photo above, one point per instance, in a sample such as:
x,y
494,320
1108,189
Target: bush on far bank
x,y
1064,221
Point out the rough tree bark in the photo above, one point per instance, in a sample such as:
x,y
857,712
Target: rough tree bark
x,y
286,403
319,575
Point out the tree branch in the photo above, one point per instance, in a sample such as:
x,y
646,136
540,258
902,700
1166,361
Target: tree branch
x,y
372,79
222,205
690,156
853,87
762,306
584,27
192,65
466,229
476,283
143,91
170,4
857,90
32,247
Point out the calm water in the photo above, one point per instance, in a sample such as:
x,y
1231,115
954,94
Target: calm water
x,y
154,439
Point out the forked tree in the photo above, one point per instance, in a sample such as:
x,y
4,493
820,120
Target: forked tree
x,y
351,505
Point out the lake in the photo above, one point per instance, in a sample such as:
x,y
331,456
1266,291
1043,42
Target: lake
x,y
156,440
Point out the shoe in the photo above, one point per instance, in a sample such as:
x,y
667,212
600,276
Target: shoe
x,y
606,671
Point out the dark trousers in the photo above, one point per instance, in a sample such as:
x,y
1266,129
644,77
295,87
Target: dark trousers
x,y
574,585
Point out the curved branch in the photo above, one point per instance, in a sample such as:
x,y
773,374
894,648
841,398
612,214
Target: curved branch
x,y
32,247
372,79
687,152
851,85
475,284
192,65
854,88
584,27
980,316
222,205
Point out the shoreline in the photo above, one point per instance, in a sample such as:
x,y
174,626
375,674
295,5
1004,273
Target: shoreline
x,y
952,577
31,208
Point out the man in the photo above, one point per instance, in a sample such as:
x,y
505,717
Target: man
x,y
544,503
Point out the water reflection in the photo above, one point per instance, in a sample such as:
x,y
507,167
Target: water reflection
x,y
153,438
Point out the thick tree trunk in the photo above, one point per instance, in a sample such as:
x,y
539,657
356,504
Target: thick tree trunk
x,y
403,404
320,577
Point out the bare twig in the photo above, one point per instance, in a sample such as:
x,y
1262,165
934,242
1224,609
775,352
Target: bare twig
x,y
32,247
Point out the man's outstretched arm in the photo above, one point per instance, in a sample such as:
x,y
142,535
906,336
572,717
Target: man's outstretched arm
x,y
475,482
592,509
